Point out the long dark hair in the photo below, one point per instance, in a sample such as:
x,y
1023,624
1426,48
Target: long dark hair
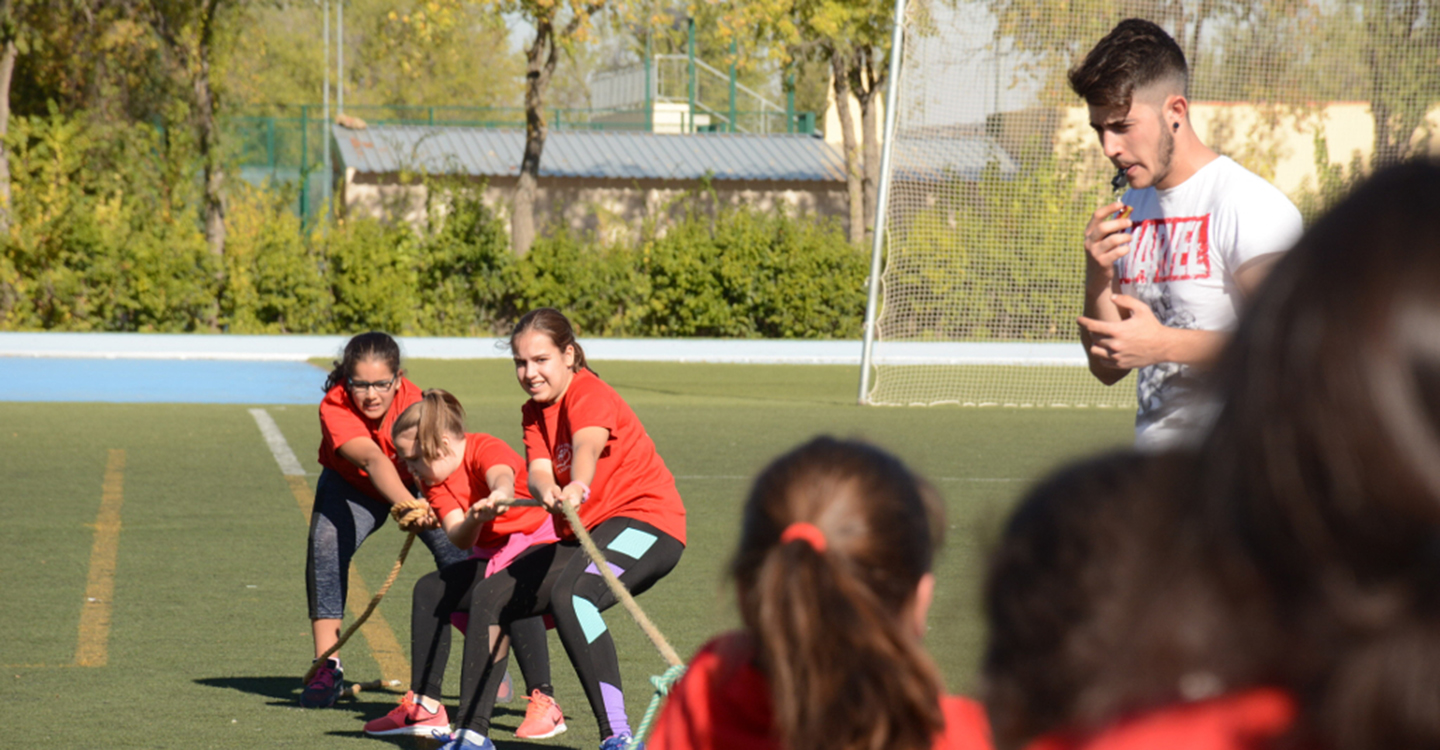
x,y
1323,468
552,323
365,346
845,672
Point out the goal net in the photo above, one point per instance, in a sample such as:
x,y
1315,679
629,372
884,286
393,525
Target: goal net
x,y
994,170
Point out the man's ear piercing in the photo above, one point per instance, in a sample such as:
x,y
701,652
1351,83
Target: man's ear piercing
x,y
1175,126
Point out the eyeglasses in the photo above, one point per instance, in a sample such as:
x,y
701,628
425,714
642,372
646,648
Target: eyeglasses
x,y
361,386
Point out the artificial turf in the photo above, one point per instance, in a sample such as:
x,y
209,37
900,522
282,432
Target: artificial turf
x,y
208,633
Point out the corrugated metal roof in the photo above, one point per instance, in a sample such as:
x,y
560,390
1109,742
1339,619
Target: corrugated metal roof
x,y
613,155
485,152
960,158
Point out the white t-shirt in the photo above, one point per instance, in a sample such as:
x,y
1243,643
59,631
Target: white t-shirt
x,y
1186,245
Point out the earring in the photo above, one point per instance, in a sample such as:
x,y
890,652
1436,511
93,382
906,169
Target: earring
x,y
1174,126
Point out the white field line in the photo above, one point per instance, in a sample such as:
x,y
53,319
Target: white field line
x,y
289,464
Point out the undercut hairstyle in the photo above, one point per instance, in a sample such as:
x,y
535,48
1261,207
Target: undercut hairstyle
x,y
365,346
552,323
844,667
436,415
1134,55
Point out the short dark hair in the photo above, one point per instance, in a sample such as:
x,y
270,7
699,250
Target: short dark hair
x,y
1135,54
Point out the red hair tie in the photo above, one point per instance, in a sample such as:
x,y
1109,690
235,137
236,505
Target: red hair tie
x,y
806,532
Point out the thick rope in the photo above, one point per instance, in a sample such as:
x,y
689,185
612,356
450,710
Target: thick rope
x,y
407,514
662,684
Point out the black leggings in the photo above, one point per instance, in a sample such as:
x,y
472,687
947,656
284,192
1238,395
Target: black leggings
x,y
557,579
526,636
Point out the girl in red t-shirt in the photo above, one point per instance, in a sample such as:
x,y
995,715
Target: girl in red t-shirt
x,y
360,479
465,475
833,576
585,447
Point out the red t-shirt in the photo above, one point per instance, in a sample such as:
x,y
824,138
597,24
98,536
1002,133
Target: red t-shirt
x,y
467,484
723,702
1247,720
341,422
630,478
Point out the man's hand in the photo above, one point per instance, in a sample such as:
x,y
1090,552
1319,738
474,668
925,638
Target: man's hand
x,y
1139,339
1106,241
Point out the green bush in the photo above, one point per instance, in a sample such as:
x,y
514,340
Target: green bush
x,y
275,276
464,263
751,274
106,236
102,233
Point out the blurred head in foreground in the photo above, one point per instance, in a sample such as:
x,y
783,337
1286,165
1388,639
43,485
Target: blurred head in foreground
x,y
1322,472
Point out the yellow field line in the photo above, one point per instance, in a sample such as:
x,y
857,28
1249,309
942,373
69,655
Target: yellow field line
x,y
394,665
93,647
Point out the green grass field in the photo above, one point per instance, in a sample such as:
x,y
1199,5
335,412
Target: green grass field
x,y
208,634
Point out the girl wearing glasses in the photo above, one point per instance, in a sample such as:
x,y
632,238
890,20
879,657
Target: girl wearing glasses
x,y
360,479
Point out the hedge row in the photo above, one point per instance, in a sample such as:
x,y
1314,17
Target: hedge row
x,y
105,237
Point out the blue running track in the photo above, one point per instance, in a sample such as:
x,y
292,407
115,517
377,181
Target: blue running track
x,y
159,381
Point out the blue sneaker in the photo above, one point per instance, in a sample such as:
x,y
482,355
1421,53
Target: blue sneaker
x,y
466,739
620,742
325,687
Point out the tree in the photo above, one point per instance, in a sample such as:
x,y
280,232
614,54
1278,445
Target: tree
x,y
188,32
397,53
852,36
559,25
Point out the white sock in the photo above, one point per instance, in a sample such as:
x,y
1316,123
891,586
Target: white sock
x,y
472,736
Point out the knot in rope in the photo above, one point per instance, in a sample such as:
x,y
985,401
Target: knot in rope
x,y
410,513
662,683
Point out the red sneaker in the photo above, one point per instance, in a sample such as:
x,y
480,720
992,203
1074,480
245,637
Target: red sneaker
x,y
409,718
543,718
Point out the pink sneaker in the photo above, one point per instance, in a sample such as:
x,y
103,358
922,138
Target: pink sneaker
x,y
543,718
409,718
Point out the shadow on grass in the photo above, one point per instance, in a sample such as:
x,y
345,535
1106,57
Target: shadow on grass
x,y
285,688
285,691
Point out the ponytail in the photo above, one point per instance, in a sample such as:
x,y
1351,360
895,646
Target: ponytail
x,y
370,345
836,538
843,668
434,416
552,323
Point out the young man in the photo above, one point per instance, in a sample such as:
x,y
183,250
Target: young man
x,y
1163,286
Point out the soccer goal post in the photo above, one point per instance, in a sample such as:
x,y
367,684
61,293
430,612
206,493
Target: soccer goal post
x,y
990,170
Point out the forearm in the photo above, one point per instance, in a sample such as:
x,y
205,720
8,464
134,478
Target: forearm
x,y
1100,305
387,480
1190,347
464,533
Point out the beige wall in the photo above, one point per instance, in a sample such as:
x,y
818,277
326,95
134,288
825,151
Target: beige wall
x,y
613,209
1276,143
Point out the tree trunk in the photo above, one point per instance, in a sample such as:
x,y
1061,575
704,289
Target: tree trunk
x,y
7,69
840,73
540,61
868,90
209,133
